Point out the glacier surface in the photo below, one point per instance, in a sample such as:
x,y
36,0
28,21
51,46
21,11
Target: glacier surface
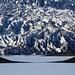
x,y
29,27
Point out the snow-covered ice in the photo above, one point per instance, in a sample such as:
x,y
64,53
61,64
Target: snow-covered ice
x,y
36,59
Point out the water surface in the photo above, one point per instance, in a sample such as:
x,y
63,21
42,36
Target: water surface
x,y
37,69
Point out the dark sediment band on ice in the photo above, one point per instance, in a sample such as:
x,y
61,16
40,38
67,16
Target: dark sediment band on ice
x,y
71,60
3,60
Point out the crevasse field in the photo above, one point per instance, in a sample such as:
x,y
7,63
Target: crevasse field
x,y
37,27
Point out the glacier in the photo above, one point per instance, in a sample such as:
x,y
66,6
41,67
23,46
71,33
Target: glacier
x,y
34,27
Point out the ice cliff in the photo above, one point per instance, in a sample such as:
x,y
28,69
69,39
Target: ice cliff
x,y
30,27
